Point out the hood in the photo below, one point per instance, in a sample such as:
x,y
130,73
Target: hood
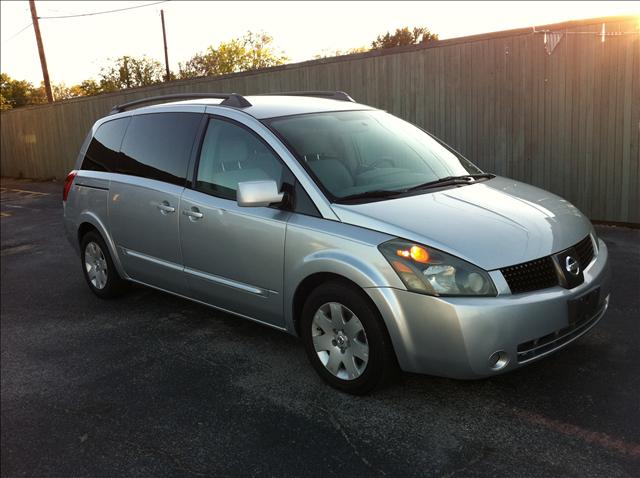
x,y
493,224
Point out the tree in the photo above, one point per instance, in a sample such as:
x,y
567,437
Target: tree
x,y
260,52
64,92
38,95
17,93
403,37
252,51
331,53
130,72
90,87
14,93
125,72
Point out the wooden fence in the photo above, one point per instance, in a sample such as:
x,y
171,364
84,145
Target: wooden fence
x,y
568,121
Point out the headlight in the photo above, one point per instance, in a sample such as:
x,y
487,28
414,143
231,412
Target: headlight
x,y
429,271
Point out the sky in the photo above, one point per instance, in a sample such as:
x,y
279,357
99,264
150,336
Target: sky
x,y
77,48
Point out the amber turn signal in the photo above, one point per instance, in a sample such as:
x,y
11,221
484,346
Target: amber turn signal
x,y
417,253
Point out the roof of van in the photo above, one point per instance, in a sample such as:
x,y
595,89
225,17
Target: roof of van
x,y
271,106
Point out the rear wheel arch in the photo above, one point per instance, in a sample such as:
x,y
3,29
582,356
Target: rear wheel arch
x,y
84,228
98,267
91,222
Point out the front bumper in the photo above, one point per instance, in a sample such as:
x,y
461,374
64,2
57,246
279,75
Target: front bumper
x,y
455,337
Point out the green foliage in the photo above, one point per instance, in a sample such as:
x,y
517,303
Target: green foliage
x,y
403,37
338,52
17,93
38,95
124,72
130,72
252,51
14,93
90,88
64,92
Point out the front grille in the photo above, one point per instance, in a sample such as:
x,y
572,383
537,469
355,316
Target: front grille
x,y
534,348
541,273
532,275
584,251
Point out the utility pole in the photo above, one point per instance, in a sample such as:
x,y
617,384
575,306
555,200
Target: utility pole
x,y
43,60
166,54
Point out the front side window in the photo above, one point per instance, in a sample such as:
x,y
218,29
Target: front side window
x,y
158,146
352,153
102,153
231,154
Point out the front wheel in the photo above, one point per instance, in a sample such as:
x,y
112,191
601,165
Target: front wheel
x,y
345,339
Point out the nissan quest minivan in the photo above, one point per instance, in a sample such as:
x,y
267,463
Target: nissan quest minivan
x,y
374,242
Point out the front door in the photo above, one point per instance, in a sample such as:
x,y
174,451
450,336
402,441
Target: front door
x,y
233,256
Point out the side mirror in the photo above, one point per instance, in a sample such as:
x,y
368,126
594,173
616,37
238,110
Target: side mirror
x,y
258,193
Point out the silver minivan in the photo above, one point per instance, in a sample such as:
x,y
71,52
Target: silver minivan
x,y
377,244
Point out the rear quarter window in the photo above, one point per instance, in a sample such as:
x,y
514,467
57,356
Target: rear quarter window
x,y
158,146
102,153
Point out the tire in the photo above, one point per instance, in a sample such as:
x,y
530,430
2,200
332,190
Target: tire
x,y
98,269
365,358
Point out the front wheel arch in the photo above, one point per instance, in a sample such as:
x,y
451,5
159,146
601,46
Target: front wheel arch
x,y
307,286
310,283
382,363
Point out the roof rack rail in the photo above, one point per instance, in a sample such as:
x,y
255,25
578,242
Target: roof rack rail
x,y
230,99
334,95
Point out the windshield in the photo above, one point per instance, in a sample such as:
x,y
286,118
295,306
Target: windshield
x,y
352,153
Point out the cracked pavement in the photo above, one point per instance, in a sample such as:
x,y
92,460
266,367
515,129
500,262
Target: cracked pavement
x,y
154,385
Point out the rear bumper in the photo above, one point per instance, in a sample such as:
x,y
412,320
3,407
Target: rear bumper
x,y
455,337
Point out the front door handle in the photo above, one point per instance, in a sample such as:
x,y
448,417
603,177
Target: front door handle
x,y
194,214
165,208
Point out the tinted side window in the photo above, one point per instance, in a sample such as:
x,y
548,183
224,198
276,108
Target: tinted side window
x,y
158,146
231,154
102,153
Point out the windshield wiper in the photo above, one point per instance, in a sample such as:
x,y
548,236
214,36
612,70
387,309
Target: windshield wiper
x,y
375,194
451,180
385,193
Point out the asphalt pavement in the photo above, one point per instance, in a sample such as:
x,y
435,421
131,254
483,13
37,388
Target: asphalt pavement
x,y
154,385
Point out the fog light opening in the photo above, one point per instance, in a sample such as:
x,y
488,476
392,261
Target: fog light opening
x,y
498,360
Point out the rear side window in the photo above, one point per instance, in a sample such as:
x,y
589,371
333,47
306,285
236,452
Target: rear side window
x,y
158,146
102,153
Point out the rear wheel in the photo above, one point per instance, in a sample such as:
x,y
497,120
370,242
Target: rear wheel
x,y
345,338
99,272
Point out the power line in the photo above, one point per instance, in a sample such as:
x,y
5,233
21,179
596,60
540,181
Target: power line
x,y
19,32
101,13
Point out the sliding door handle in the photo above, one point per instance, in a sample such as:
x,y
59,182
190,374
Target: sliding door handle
x,y
193,214
165,208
